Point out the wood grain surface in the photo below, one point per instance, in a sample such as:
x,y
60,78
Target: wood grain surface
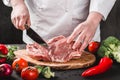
x,y
86,60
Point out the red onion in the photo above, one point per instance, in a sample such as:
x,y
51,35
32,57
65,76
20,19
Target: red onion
x,y
5,70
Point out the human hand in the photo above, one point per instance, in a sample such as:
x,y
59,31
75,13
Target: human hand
x,y
20,16
85,31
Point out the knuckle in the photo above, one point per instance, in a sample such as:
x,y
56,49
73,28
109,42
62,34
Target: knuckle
x,y
24,15
82,25
76,29
20,25
12,17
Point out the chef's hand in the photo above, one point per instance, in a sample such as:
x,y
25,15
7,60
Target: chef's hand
x,y
20,14
85,31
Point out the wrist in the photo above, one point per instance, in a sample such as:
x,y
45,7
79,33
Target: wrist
x,y
94,18
16,2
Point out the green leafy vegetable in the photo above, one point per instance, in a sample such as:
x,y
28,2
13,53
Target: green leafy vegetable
x,y
11,49
45,71
110,47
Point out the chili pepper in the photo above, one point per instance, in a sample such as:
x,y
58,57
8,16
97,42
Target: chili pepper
x,y
104,64
3,53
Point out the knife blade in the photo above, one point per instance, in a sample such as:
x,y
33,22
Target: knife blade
x,y
33,35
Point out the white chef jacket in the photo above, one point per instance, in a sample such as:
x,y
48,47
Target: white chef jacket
x,y
50,18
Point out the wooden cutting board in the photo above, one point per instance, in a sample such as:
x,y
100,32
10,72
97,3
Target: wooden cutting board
x,y
86,60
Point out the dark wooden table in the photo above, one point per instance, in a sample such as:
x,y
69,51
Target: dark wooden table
x,y
112,74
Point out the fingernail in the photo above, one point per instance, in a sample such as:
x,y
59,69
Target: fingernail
x,y
68,41
73,47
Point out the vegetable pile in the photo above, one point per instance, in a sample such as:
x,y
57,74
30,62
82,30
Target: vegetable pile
x,y
31,72
110,47
108,50
20,65
104,65
3,53
7,53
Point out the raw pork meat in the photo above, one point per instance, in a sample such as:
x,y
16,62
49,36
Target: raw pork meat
x,y
58,51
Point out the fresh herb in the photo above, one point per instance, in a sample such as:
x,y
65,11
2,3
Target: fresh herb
x,y
11,55
45,71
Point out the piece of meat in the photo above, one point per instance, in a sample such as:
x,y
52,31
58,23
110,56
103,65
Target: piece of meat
x,y
37,52
59,50
55,39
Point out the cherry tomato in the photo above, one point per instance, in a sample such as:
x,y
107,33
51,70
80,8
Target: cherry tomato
x,y
29,73
18,64
93,46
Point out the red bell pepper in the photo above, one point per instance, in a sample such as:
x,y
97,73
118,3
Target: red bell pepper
x,y
104,64
3,53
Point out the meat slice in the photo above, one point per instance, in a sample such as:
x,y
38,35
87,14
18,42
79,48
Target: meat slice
x,y
55,39
59,50
37,52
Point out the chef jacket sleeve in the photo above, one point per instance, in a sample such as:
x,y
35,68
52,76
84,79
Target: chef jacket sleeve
x,y
102,6
7,2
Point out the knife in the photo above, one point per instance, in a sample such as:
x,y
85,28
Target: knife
x,y
33,35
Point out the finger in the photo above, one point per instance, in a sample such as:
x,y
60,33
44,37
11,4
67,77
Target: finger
x,y
14,21
17,22
74,34
28,22
78,41
22,23
85,43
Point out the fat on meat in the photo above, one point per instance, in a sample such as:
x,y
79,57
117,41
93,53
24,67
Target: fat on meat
x,y
58,51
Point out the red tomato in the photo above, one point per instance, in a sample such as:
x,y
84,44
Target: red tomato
x,y
18,64
3,49
2,60
93,46
29,73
